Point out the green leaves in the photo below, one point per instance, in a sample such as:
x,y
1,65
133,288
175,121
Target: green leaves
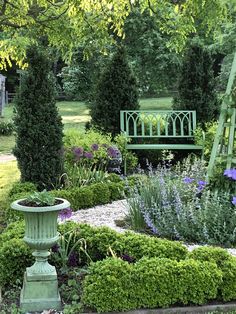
x,y
97,24
43,198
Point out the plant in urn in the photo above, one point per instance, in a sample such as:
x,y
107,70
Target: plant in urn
x,y
40,287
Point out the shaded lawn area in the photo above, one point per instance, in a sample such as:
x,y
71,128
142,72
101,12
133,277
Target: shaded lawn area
x,y
75,114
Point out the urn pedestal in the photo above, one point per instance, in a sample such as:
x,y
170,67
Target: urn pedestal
x,y
40,287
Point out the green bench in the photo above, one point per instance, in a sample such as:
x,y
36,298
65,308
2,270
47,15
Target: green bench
x,y
159,124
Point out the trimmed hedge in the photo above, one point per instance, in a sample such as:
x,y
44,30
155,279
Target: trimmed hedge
x,y
92,195
115,285
226,263
15,256
100,241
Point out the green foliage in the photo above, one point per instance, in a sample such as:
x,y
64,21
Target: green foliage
x,y
71,289
101,193
92,195
79,175
116,190
226,263
78,197
108,285
210,254
76,138
6,128
12,215
68,28
218,181
116,90
38,125
76,81
138,246
101,241
196,89
15,256
115,285
223,77
207,140
149,53
21,187
43,198
131,159
14,230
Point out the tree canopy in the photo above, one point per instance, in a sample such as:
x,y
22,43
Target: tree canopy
x,y
65,24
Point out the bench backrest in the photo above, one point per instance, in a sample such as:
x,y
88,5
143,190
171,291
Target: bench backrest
x,y
163,123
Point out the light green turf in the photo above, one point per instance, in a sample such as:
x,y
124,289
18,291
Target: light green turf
x,y
9,173
76,114
163,103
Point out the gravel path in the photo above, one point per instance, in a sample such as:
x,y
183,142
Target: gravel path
x,y
103,215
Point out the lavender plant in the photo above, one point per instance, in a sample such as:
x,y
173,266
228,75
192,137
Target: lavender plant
x,y
176,203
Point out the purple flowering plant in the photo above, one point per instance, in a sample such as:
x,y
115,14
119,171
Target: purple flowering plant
x,y
66,251
65,214
230,173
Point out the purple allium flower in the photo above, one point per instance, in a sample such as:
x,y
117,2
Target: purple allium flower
x,y
65,213
88,155
230,173
234,200
128,258
78,151
113,152
94,147
55,248
73,259
188,180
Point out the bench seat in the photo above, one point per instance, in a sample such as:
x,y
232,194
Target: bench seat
x,y
164,146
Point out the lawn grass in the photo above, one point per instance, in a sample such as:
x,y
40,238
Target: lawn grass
x,y
162,103
9,173
75,114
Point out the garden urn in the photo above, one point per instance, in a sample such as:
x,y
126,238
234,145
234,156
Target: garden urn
x,y
40,287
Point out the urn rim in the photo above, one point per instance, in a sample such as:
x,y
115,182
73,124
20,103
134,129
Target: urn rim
x,y
39,209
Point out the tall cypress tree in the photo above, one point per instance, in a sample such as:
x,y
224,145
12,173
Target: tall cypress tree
x,y
39,128
196,90
116,90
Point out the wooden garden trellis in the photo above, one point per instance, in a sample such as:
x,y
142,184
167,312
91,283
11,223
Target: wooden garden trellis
x,y
224,146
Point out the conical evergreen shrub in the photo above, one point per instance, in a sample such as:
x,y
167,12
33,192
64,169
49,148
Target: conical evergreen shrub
x,y
196,90
116,90
39,128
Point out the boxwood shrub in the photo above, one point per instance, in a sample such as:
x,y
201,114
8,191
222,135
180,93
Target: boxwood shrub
x,y
115,285
226,263
15,256
103,241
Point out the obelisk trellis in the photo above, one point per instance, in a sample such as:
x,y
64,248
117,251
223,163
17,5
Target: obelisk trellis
x,y
224,146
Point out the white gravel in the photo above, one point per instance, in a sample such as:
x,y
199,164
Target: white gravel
x,y
105,215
